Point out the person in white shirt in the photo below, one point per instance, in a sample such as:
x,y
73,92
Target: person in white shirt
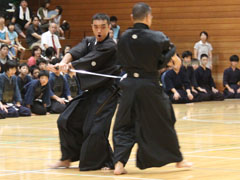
x,y
203,47
50,39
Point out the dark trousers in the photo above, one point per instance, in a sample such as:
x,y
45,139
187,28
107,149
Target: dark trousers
x,y
56,107
84,134
14,111
38,108
213,96
229,95
145,116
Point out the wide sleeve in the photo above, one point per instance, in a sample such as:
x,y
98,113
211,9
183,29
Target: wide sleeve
x,y
51,84
29,95
225,78
17,94
96,58
66,88
166,49
169,84
46,95
79,50
212,83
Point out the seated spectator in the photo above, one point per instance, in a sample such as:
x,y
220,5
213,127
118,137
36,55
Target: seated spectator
x,y
231,78
34,33
42,13
73,84
65,50
3,57
37,96
42,64
50,39
198,93
195,63
50,54
115,28
22,18
4,38
59,92
56,18
36,54
23,78
205,80
15,44
177,86
203,47
10,97
34,71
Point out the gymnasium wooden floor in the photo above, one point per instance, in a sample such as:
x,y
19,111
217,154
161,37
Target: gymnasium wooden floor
x,y
209,134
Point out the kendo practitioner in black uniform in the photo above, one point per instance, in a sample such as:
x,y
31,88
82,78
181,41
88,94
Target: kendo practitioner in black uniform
x,y
178,86
205,80
37,96
84,125
231,79
145,113
198,93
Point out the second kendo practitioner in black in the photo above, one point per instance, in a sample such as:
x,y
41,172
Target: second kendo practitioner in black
x,y
145,115
205,80
231,79
84,125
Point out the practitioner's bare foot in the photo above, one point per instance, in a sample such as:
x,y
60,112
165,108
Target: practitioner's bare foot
x,y
184,164
60,164
119,169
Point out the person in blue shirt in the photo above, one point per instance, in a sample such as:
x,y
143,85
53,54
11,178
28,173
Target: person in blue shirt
x,y
37,96
115,27
231,79
10,97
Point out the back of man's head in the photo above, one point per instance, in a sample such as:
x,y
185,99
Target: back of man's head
x,y
140,11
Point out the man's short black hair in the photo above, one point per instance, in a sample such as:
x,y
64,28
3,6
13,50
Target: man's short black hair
x,y
205,33
101,16
23,64
41,60
203,55
234,58
43,73
11,64
186,54
113,19
140,11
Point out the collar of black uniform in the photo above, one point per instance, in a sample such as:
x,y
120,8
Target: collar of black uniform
x,y
103,40
140,26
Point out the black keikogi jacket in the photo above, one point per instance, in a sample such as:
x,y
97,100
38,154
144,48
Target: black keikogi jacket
x,y
98,57
134,59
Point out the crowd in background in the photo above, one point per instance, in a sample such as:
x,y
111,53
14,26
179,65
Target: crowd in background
x,y
28,88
